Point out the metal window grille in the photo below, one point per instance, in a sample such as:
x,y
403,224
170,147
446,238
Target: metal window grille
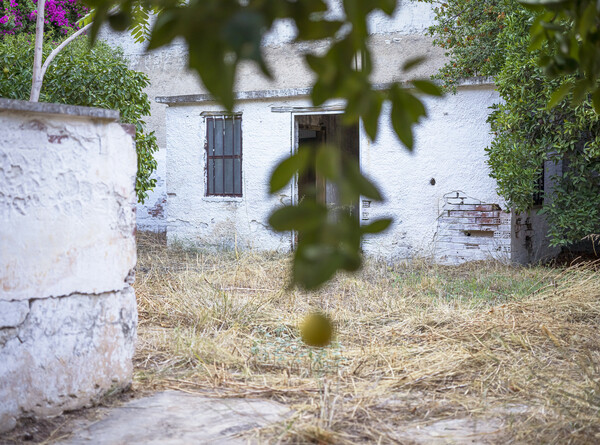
x,y
224,155
538,195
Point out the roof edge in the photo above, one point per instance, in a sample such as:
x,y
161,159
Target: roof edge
x,y
297,92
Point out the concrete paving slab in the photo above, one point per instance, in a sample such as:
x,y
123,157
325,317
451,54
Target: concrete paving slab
x,y
174,418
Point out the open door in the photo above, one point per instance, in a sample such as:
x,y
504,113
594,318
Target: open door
x,y
317,129
310,184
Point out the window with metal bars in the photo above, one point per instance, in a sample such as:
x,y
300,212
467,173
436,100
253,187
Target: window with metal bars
x,y
224,155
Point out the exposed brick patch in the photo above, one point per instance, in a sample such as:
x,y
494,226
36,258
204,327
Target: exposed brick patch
x,y
158,210
469,229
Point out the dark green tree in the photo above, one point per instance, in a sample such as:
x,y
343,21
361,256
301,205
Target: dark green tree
x,y
80,75
537,120
571,29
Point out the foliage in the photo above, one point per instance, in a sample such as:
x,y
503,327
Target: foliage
x,y
469,31
61,17
329,239
527,132
572,29
221,34
96,77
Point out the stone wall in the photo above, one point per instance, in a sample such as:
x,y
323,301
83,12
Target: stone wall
x,y
67,256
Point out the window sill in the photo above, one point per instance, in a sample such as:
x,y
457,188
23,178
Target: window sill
x,y
223,198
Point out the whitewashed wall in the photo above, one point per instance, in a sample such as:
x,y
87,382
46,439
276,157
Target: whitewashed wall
x,y
67,253
393,41
225,221
449,149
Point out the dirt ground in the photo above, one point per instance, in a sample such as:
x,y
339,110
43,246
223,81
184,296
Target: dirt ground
x,y
479,353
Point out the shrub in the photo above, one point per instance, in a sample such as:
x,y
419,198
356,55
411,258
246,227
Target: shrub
x,y
80,75
491,38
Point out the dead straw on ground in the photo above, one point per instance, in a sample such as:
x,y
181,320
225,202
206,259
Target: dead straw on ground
x,y
514,348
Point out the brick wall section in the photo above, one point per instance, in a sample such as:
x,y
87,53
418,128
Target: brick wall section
x,y
470,230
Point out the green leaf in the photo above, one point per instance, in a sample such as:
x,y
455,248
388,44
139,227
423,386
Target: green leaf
x,y
119,21
387,6
579,92
540,5
414,107
164,29
536,41
99,17
328,161
320,93
86,19
243,33
413,63
311,274
377,226
322,29
307,215
287,168
596,100
401,123
559,94
588,18
370,115
428,87
217,74
361,185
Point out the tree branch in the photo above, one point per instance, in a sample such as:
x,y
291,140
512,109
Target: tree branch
x,y
59,48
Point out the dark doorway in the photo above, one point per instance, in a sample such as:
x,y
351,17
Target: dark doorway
x,y
316,129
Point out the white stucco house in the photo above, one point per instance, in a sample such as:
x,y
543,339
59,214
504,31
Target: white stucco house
x,y
214,167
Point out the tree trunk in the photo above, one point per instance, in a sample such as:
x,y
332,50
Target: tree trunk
x,y
38,70
36,83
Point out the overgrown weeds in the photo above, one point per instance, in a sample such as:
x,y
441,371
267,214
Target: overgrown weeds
x,y
423,353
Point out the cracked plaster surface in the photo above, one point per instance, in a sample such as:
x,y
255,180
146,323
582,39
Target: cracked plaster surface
x,y
68,314
66,206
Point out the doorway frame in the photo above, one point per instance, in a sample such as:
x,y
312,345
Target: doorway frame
x,y
315,111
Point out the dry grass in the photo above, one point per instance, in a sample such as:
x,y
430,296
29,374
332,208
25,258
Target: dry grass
x,y
516,349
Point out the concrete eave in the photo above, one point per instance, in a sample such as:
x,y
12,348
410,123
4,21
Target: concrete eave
x,y
239,95
58,109
296,92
